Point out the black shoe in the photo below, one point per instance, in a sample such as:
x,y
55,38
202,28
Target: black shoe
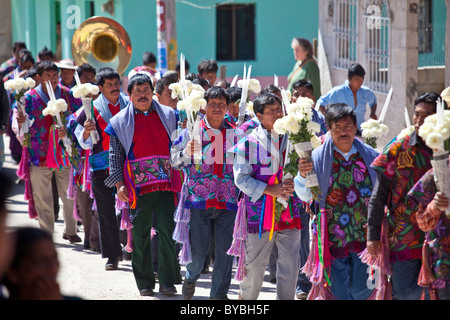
x,y
168,290
112,264
126,255
188,290
72,239
146,292
86,244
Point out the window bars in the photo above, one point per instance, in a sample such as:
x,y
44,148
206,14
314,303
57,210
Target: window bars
x,y
377,35
346,32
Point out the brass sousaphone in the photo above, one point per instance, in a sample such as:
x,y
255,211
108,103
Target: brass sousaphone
x,y
102,42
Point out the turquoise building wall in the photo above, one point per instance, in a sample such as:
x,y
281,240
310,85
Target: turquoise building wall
x,y
437,56
276,23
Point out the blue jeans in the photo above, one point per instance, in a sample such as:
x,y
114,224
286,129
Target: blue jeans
x,y
405,275
200,233
349,278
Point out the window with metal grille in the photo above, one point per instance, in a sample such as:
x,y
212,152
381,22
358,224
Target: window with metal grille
x,y
377,45
235,32
346,32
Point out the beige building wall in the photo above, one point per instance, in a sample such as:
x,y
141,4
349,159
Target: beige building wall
x,y
5,30
406,78
447,46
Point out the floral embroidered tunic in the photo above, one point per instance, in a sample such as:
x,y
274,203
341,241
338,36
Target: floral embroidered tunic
x,y
438,238
403,163
40,130
211,182
347,202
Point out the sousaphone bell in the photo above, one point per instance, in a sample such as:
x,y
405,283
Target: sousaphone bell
x,y
102,42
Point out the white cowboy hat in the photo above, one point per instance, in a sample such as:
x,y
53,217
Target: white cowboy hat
x,y
66,64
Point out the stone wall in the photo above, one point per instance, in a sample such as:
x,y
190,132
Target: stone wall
x,y
447,46
5,30
404,58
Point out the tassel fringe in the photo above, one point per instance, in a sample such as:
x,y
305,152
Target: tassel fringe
x,y
180,234
237,248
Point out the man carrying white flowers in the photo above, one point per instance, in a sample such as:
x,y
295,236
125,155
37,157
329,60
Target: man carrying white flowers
x,y
41,152
107,105
342,164
211,194
399,167
258,170
139,158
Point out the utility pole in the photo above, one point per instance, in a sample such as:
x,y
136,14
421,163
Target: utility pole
x,y
166,34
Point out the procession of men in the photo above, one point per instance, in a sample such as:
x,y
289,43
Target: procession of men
x,y
184,169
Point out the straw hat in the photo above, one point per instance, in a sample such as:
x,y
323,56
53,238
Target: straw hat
x,y
66,64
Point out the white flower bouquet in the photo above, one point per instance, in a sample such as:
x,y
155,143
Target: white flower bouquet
x,y
405,132
184,88
56,108
298,125
86,92
190,100
435,131
19,86
372,130
253,85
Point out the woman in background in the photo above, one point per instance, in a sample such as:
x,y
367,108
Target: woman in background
x,y
306,66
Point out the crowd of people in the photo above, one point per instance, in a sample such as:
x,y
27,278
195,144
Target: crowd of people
x,y
146,188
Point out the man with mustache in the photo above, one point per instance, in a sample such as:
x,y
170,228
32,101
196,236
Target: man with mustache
x,y
257,166
140,170
399,167
342,164
107,105
39,162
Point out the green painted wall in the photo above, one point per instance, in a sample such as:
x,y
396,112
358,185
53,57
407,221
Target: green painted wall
x,y
437,56
277,22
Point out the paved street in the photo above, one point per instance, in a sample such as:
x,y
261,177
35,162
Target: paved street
x,y
83,272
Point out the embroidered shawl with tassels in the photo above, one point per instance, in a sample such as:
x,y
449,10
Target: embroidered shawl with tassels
x,y
320,258
258,215
254,149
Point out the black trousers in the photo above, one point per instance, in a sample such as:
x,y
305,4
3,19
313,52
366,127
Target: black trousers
x,y
107,219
